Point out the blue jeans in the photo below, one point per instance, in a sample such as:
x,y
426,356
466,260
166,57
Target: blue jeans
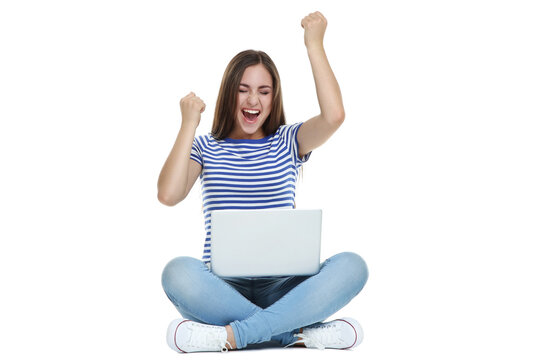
x,y
263,309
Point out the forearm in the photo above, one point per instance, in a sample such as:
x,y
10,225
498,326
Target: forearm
x,y
327,87
173,179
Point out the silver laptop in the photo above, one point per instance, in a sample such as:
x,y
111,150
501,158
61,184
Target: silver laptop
x,y
274,242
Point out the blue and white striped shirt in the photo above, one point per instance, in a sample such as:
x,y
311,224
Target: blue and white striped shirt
x,y
247,174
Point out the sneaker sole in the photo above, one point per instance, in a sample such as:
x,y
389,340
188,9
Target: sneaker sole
x,y
171,334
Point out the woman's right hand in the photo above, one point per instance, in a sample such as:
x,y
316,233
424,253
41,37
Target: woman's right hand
x,y
191,107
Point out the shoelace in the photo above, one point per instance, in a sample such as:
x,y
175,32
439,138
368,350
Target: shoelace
x,y
208,339
318,337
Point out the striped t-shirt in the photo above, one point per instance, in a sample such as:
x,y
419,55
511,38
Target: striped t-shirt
x,y
247,174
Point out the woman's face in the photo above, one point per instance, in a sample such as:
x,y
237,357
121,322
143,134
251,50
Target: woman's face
x,y
254,102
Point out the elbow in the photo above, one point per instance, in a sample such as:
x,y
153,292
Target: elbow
x,y
167,199
336,117
340,117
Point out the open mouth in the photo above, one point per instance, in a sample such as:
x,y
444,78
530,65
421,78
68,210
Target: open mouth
x,y
251,115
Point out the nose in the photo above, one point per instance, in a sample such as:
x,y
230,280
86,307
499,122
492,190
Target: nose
x,y
252,99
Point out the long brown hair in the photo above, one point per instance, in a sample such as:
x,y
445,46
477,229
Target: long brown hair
x,y
225,114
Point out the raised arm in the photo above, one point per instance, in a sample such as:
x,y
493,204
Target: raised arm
x,y
315,131
179,172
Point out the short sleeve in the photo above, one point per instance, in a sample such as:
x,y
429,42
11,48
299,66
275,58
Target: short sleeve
x,y
196,152
290,133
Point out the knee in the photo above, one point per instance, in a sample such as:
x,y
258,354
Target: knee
x,y
356,268
178,273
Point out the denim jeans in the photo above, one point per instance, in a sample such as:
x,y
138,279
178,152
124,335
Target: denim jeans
x,y
263,309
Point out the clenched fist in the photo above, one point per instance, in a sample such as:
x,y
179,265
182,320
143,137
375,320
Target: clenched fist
x,y
191,107
314,27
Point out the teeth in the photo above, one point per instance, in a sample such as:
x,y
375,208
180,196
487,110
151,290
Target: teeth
x,y
252,111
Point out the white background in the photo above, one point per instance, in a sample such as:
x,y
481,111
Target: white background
x,y
433,178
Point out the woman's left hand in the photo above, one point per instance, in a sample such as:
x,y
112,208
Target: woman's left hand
x,y
314,27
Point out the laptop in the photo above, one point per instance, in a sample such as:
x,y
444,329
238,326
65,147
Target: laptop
x,y
270,242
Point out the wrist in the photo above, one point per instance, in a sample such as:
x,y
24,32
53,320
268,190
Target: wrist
x,y
315,48
189,124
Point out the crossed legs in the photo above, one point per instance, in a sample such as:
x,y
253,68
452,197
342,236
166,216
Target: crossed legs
x,y
286,304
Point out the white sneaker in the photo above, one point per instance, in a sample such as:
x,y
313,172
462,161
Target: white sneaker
x,y
189,336
343,333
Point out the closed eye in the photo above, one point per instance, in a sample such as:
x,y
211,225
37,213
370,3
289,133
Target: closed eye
x,y
262,92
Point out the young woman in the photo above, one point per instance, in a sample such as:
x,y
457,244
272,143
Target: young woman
x,y
251,161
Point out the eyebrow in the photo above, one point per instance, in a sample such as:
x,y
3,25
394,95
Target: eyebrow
x,y
260,87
